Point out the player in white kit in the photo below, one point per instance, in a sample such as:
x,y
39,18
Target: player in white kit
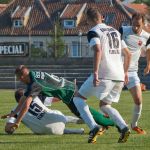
x,y
108,76
41,120
136,38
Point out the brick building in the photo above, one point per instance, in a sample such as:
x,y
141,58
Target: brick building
x,y
28,24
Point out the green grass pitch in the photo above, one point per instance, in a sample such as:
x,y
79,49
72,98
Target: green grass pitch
x,y
23,139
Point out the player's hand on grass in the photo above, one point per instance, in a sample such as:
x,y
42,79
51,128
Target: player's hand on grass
x,y
14,125
5,116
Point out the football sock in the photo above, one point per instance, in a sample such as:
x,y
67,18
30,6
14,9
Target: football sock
x,y
72,119
114,115
100,118
74,131
136,115
84,112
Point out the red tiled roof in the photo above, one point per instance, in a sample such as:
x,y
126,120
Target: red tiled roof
x,y
141,8
2,7
20,13
71,11
40,24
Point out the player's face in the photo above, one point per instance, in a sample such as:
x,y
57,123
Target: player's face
x,y
8,129
24,77
137,25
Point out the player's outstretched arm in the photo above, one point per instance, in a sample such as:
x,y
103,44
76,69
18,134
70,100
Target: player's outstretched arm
x,y
17,109
23,111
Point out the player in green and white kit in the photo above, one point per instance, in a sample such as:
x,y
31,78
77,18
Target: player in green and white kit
x,y
45,85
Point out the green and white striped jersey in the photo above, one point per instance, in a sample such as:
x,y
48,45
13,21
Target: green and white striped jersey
x,y
49,85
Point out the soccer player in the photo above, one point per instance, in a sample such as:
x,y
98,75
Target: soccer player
x,y
136,38
46,85
42,120
108,75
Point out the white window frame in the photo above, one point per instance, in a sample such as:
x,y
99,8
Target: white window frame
x,y
18,23
67,25
109,18
37,44
75,49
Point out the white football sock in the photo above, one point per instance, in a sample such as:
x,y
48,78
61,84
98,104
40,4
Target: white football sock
x,y
84,112
72,119
74,131
136,115
114,115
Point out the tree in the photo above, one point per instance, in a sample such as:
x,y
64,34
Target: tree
x,y
143,1
4,1
56,44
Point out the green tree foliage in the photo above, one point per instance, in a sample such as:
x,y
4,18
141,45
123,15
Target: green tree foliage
x,y
143,1
56,45
4,1
37,52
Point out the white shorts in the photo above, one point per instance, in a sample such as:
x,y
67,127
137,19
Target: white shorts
x,y
108,90
133,80
52,122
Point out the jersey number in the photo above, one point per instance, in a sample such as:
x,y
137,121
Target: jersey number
x,y
36,110
39,75
113,40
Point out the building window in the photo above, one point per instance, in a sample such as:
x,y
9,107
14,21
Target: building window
x,y
38,44
125,23
18,23
75,49
109,18
69,23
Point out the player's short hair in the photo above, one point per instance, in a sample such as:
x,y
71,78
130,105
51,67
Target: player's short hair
x,y
93,13
18,94
138,16
19,70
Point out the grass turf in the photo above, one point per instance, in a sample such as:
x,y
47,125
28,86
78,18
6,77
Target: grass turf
x,y
23,139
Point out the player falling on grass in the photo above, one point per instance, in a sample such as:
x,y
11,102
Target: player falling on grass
x,y
46,85
42,120
108,75
136,38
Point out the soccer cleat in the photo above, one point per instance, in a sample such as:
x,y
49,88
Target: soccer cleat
x,y
93,135
124,134
102,130
138,130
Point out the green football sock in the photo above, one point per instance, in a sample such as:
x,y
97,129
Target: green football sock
x,y
100,118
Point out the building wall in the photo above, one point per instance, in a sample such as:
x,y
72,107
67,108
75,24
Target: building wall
x,y
78,42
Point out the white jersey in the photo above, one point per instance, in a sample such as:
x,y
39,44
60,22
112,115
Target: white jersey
x,y
42,120
111,65
135,44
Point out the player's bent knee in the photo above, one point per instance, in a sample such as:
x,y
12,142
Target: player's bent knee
x,y
79,95
58,128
